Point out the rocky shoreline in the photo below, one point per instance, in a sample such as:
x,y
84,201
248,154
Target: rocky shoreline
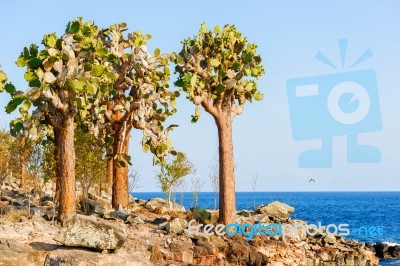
x,y
153,233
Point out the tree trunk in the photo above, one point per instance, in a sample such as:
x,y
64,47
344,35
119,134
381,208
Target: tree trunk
x,y
227,201
66,169
23,165
57,136
120,194
110,174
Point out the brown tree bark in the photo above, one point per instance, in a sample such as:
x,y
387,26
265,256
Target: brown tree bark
x,y
120,192
57,136
227,201
66,169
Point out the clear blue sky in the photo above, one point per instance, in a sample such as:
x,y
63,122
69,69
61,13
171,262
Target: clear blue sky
x,y
289,34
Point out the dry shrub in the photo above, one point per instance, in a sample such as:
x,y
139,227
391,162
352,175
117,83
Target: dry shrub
x,y
15,215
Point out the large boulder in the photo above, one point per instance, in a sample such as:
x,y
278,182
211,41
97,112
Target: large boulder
x,y
277,211
153,203
382,250
90,232
158,203
176,225
395,251
92,206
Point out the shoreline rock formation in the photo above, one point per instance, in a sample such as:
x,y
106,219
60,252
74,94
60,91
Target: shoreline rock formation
x,y
151,233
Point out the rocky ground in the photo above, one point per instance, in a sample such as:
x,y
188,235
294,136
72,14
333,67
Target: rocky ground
x,y
152,233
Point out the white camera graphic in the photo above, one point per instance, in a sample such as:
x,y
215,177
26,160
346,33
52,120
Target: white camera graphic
x,y
325,106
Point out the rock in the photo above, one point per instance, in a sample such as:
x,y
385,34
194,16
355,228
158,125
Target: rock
x,y
39,219
49,215
133,219
119,214
263,218
200,214
14,252
98,209
244,213
36,211
15,193
182,251
154,203
46,197
85,258
241,253
177,208
394,251
47,203
381,250
5,198
5,187
204,249
5,209
176,226
87,231
160,210
277,210
384,251
16,203
22,219
92,206
140,201
159,220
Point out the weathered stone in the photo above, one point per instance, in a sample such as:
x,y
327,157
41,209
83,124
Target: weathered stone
x,y
381,250
87,258
16,203
5,198
92,206
119,213
277,210
395,251
154,203
176,226
182,251
87,231
49,215
133,219
244,213
47,203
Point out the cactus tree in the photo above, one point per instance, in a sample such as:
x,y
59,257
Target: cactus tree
x,y
65,79
218,70
139,99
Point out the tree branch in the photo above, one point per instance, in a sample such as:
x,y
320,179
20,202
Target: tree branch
x,y
207,105
54,101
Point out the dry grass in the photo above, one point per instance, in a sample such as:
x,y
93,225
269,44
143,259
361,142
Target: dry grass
x,y
15,215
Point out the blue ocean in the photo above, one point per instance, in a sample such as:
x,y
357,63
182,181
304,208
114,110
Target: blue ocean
x,y
358,209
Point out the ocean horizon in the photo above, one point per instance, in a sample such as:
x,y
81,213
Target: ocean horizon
x,y
357,209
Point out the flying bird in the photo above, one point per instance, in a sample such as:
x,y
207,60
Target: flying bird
x,y
311,180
